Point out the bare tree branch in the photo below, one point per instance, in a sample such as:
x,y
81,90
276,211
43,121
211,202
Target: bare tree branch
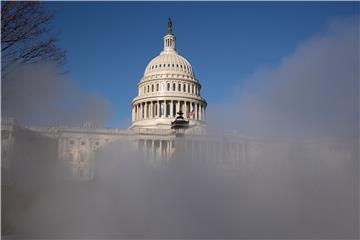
x,y
26,36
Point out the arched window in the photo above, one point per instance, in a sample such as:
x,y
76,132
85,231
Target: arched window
x,y
188,88
148,88
169,65
152,88
177,65
174,87
179,87
173,65
168,86
157,87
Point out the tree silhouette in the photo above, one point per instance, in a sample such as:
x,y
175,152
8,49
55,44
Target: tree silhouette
x,y
26,36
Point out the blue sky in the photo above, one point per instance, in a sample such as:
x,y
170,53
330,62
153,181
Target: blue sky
x,y
109,44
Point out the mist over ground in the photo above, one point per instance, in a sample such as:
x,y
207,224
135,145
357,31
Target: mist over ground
x,y
303,186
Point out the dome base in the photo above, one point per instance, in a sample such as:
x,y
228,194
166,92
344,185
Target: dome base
x,y
161,123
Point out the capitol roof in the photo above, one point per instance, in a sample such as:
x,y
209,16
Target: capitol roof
x,y
169,61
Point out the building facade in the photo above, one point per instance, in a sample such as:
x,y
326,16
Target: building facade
x,y
167,87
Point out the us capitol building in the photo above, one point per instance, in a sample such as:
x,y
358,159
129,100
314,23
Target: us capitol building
x,y
168,106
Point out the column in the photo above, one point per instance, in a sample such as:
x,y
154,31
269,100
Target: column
x,y
200,112
171,108
136,112
196,111
133,114
145,112
185,109
193,110
165,108
152,110
157,109
177,106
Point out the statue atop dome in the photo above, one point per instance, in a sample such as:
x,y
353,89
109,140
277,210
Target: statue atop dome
x,y
169,26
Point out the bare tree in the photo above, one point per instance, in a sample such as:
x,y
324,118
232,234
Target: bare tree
x,y
26,36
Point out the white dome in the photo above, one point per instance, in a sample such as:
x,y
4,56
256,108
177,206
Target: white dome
x,y
169,62
168,87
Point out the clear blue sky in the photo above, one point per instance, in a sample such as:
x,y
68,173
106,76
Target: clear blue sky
x,y
109,44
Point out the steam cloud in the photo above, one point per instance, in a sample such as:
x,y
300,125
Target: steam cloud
x,y
37,94
289,191
312,93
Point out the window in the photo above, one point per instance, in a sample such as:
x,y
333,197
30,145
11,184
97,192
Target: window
x,y
159,65
72,142
188,88
71,157
164,65
168,86
152,88
174,87
192,89
173,65
184,88
148,88
157,87
97,143
181,66
83,143
179,87
169,65
155,66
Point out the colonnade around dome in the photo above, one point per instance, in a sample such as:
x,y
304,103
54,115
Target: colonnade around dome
x,y
168,109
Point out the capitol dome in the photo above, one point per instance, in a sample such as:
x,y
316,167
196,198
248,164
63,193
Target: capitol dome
x,y
168,86
169,61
